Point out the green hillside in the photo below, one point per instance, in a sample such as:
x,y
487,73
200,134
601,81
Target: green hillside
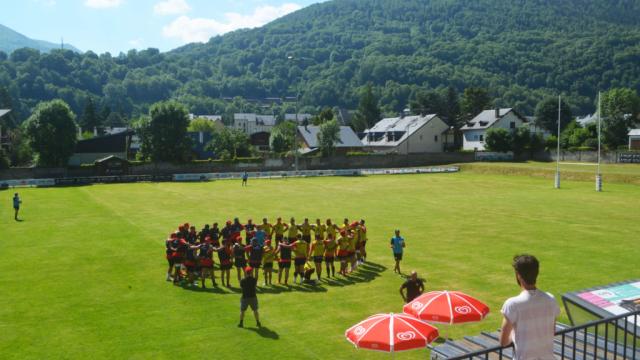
x,y
11,40
519,50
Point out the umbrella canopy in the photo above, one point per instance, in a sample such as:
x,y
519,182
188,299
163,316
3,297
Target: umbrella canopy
x,y
391,332
447,307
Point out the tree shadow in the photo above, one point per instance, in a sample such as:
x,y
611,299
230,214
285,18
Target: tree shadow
x,y
265,332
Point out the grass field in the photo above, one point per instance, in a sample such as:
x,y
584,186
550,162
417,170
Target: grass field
x,y
83,275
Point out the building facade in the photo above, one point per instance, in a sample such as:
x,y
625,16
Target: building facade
x,y
408,135
474,132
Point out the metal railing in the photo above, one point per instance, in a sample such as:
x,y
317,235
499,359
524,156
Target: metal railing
x,y
610,338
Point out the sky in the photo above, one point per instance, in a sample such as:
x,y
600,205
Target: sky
x,y
119,25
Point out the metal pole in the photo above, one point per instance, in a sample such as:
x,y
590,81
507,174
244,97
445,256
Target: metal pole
x,y
295,138
557,184
598,174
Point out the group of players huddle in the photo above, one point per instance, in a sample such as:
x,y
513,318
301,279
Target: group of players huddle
x,y
190,253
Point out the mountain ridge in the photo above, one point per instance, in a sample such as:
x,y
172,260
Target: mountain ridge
x,y
521,51
11,40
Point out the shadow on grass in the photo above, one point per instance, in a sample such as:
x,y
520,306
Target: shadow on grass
x,y
365,273
265,332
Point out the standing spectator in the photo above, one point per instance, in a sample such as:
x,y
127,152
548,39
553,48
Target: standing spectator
x,y
245,177
414,287
16,205
397,245
249,297
529,318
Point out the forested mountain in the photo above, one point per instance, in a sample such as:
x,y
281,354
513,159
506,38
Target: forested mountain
x,y
11,40
519,50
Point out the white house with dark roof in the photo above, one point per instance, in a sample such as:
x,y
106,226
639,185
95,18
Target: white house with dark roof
x,y
348,140
474,131
253,123
407,135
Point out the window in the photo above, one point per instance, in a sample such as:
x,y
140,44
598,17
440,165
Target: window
x,y
481,138
435,138
512,125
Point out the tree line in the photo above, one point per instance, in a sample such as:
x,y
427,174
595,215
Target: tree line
x,y
48,137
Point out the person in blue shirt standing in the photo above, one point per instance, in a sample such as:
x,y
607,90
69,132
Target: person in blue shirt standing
x,y
245,177
397,245
16,205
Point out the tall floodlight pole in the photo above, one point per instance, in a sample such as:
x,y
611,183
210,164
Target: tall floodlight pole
x,y
598,174
295,135
557,185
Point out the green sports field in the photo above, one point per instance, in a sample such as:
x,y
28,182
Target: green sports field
x,y
83,276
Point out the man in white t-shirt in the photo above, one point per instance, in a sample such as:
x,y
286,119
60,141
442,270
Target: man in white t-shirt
x,y
529,318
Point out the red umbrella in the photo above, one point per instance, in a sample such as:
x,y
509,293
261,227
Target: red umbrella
x,y
447,307
391,332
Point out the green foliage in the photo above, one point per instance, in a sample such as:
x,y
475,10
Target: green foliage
x,y
368,112
473,101
167,131
620,110
498,139
229,143
4,160
325,115
522,53
6,102
90,118
51,132
202,124
328,135
547,114
283,137
520,140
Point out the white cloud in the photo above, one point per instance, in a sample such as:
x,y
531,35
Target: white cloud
x,y
103,4
201,29
171,7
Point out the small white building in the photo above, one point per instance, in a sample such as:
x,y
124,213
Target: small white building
x,y
474,131
4,136
252,123
213,118
407,135
634,139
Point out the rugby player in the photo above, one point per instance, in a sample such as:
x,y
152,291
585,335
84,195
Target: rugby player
x,y
255,257
284,264
330,247
206,261
268,257
317,252
239,259
305,229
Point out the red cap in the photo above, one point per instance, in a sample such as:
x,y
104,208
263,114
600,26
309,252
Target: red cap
x,y
248,269
228,222
174,235
268,242
354,224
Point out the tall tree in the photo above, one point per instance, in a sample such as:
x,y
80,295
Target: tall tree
x,y
168,132
473,101
547,114
428,102
328,136
368,112
620,110
452,107
51,132
90,119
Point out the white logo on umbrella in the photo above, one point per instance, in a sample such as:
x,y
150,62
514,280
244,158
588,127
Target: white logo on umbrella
x,y
405,336
463,310
359,330
416,305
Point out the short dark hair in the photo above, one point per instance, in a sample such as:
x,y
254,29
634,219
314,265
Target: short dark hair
x,y
527,266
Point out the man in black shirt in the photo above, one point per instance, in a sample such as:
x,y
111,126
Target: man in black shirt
x,y
249,297
414,287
